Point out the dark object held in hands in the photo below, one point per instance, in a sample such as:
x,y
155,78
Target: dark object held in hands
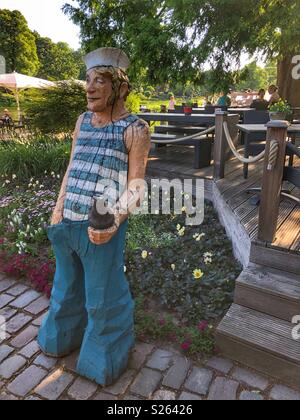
x,y
101,221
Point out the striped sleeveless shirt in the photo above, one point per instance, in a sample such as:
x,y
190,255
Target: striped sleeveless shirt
x,y
99,166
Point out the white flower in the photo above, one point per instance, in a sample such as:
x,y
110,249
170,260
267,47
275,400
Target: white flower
x,y
14,176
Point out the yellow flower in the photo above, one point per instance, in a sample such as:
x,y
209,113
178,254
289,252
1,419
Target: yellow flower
x,y
181,232
173,266
198,274
183,209
144,255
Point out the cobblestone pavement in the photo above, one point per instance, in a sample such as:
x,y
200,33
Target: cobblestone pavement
x,y
153,373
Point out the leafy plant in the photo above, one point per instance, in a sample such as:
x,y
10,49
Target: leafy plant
x,y
281,106
56,110
27,157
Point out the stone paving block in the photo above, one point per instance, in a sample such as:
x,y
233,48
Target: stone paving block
x,y
24,337
16,323
82,389
250,396
7,397
38,321
5,300
251,379
11,366
139,355
160,360
5,351
177,373
28,380
186,396
146,383
164,395
220,364
17,290
104,397
54,385
120,387
70,362
45,361
199,381
30,350
38,306
32,398
25,299
6,284
223,389
130,397
7,313
284,393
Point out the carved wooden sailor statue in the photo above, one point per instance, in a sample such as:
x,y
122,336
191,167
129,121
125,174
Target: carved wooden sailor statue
x,y
91,306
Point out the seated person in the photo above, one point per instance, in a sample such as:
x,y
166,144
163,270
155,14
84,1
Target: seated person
x,y
6,118
224,99
275,98
260,104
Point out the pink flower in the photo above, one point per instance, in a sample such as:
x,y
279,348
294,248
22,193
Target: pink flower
x,y
203,326
162,322
186,345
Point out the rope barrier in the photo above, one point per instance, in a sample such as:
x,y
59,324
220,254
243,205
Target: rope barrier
x,y
203,133
236,153
273,155
274,149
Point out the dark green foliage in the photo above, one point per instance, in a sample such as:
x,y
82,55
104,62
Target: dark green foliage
x,y
17,43
31,157
57,110
207,298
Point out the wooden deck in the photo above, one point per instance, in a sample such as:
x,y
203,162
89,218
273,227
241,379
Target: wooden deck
x,y
177,162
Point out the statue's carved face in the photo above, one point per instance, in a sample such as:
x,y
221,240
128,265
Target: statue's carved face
x,y
99,90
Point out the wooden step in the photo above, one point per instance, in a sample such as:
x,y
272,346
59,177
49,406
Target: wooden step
x,y
269,291
270,257
261,342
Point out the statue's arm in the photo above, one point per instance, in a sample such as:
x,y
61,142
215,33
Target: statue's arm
x,y
57,215
138,144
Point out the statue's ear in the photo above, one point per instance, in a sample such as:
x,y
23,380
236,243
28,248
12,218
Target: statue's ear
x,y
123,90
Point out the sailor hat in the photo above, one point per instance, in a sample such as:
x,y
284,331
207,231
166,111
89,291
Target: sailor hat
x,y
107,57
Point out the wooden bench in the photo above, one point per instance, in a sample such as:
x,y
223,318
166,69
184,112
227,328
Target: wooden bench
x,y
164,129
203,147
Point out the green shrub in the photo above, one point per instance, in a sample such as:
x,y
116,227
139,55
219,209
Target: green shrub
x,y
31,157
133,103
56,110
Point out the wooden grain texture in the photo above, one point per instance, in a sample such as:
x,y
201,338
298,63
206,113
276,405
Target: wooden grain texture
x,y
272,183
270,257
262,332
269,291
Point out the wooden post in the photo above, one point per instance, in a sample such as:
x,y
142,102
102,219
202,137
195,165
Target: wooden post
x,y
220,146
272,182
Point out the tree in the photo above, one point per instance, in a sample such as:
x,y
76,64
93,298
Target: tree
x,y
17,43
57,61
224,29
143,29
173,39
253,77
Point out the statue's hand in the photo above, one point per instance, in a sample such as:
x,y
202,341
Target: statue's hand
x,y
101,237
57,217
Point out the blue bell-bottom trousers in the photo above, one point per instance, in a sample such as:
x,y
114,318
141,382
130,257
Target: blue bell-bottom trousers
x,y
91,306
